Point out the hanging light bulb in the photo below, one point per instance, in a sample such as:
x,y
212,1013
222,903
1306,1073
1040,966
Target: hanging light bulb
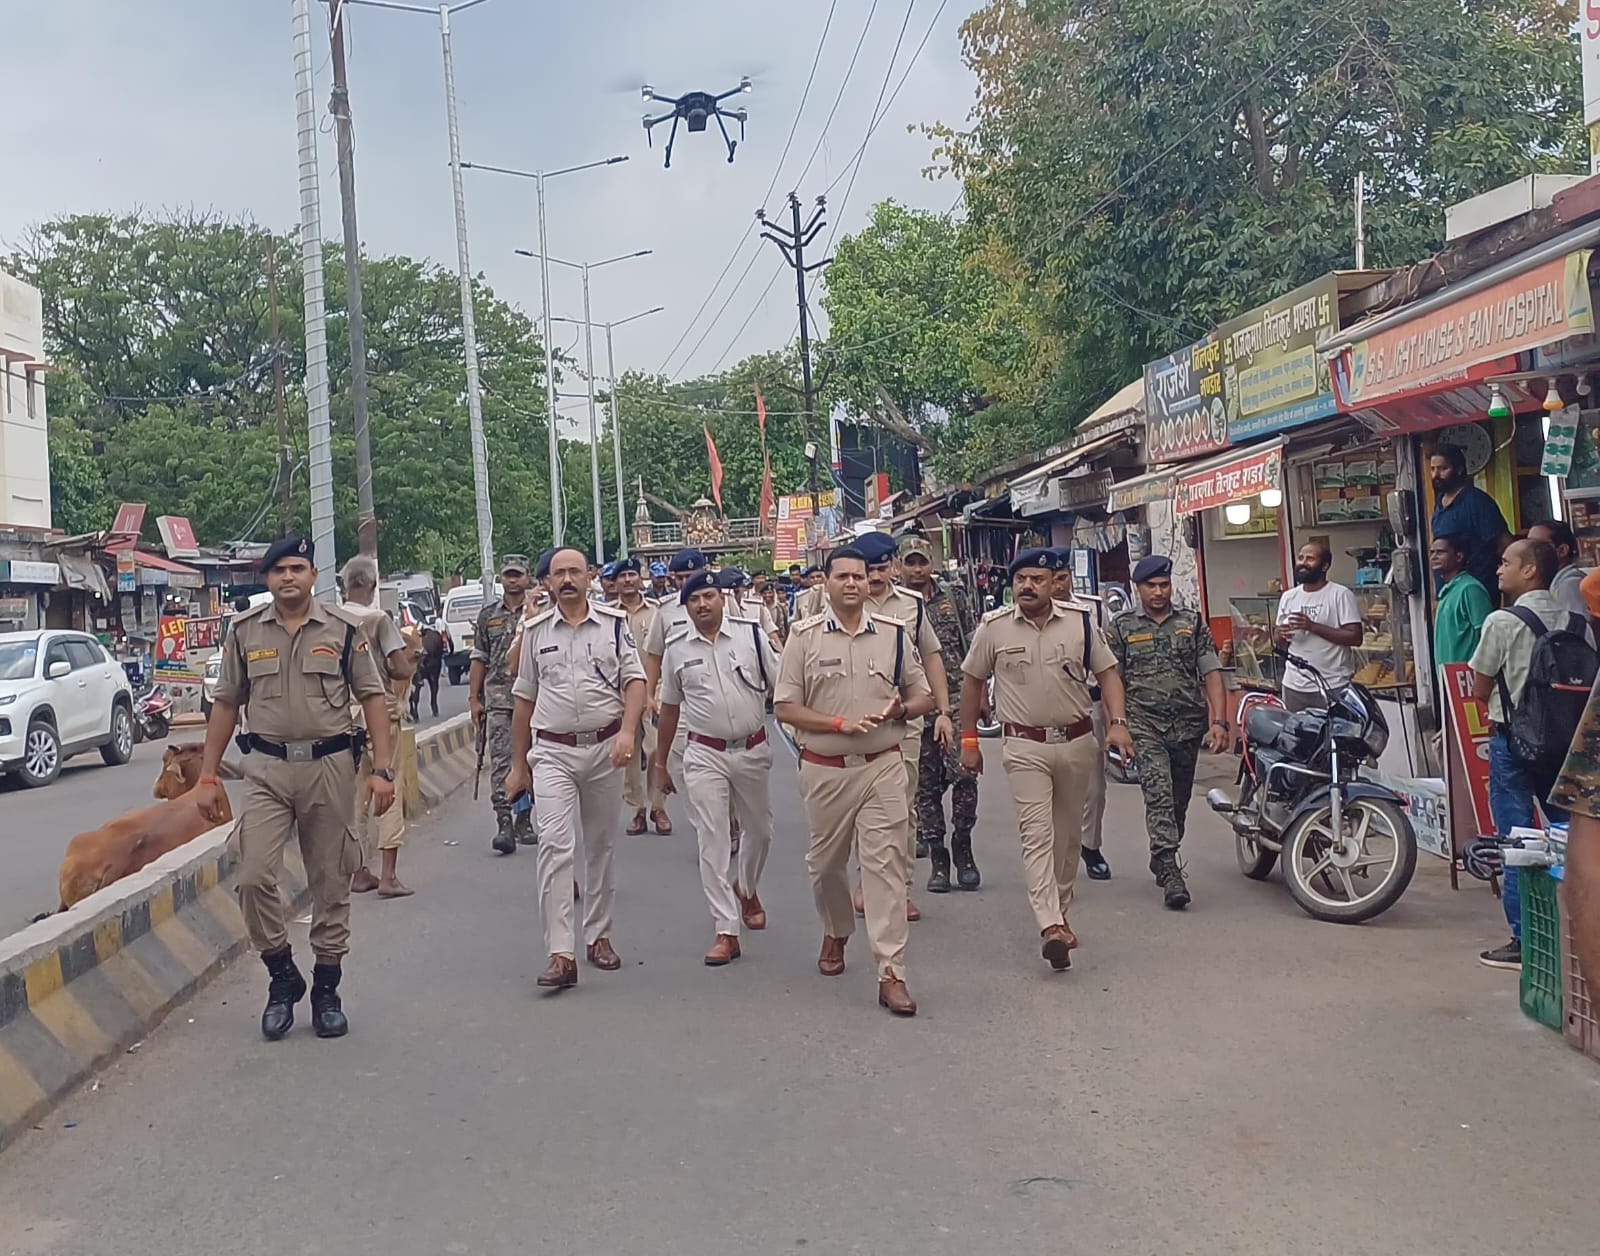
x,y
1271,498
1584,386
1237,513
1552,399
1499,407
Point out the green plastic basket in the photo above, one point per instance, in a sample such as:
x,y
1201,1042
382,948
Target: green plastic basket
x,y
1542,977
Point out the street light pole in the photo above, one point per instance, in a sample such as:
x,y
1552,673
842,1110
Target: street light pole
x,y
557,511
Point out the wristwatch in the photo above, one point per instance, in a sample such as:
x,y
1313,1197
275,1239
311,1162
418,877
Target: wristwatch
x,y
1119,723
1222,724
386,774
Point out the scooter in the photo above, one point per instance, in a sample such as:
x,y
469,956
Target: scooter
x,y
152,715
1347,845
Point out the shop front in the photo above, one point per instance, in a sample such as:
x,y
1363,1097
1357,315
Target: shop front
x,y
25,586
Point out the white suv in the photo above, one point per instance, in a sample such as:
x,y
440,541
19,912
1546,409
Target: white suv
x,y
60,695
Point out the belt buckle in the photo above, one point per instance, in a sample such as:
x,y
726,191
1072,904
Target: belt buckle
x,y
298,751
854,760
1055,736
586,739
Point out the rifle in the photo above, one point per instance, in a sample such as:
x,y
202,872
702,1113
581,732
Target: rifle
x,y
483,742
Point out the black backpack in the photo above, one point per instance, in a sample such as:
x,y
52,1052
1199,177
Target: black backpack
x,y
1560,676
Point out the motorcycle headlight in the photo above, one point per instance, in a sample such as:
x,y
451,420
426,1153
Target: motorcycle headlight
x,y
1377,737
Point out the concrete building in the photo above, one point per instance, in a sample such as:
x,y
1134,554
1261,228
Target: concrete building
x,y
24,429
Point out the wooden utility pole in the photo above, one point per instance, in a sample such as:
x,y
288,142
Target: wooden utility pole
x,y
285,454
339,107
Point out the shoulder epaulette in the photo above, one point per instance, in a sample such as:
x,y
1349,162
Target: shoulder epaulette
x,y
540,618
253,612
889,619
996,613
741,619
809,621
909,592
344,616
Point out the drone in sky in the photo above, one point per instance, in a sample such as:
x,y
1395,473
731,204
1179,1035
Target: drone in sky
x,y
696,109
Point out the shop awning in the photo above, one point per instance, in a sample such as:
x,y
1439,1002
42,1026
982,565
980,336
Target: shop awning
x,y
1238,475
1060,464
79,571
1142,490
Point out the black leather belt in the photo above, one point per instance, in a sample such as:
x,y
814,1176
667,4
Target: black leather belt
x,y
295,751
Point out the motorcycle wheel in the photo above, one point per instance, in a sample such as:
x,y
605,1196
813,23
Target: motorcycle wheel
x,y
159,728
1255,860
1353,877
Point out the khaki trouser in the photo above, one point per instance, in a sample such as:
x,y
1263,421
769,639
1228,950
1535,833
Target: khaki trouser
x,y
867,805
1049,782
388,831
639,768
575,786
1094,800
714,782
318,798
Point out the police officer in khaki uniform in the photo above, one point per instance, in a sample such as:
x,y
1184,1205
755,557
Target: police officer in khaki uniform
x,y
383,834
672,619
1044,656
579,695
294,665
719,675
641,612
847,684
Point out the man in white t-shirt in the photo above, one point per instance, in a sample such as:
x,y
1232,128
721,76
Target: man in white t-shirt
x,y
1320,622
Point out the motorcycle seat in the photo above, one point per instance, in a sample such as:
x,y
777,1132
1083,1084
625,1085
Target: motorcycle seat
x,y
1264,723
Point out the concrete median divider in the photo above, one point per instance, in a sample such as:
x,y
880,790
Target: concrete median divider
x,y
79,988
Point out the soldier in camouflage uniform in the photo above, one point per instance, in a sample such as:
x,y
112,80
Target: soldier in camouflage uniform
x,y
489,694
1174,683
939,767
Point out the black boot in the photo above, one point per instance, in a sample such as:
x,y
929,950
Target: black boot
x,y
939,877
326,1012
505,841
1169,876
288,987
967,874
522,829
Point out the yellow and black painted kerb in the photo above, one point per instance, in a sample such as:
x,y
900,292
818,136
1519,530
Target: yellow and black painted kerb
x,y
446,761
106,985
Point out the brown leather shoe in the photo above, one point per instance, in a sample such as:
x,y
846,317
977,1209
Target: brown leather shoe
x,y
913,912
636,826
1057,947
603,957
724,951
892,994
662,821
831,962
751,911
562,973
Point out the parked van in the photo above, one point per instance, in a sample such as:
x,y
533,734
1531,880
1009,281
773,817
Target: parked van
x,y
461,609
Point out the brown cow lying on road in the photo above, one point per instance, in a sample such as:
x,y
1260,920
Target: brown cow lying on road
x,y
101,856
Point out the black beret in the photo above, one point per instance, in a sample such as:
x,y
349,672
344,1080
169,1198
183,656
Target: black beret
x,y
1063,555
701,579
1152,567
541,569
877,547
687,560
626,564
726,579
1038,556
288,547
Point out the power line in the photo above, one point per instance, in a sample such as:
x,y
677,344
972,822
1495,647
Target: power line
x,y
804,96
723,308
750,317
849,70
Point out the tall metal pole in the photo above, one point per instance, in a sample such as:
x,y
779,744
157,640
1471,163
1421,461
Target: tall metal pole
x,y
320,444
1361,220
339,107
594,427
285,454
616,441
558,533
469,329
805,338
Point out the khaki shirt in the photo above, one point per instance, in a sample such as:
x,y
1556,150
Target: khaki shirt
x,y
719,682
834,672
671,620
1038,673
640,618
575,674
386,639
291,685
813,601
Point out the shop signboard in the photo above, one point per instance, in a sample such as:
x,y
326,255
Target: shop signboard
x,y
1426,802
177,536
1237,479
129,520
127,572
1589,53
1272,376
172,662
21,571
1146,490
1452,345
789,541
1180,420
202,633
14,610
1469,722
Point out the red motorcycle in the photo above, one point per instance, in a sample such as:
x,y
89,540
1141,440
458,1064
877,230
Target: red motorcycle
x,y
152,714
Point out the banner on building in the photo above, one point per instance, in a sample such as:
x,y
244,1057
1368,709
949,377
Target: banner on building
x,y
1469,722
172,662
1237,479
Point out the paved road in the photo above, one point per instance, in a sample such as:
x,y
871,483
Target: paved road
x,y
38,823
1237,1079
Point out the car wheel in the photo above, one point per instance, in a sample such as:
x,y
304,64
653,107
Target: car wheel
x,y
119,749
456,673
41,755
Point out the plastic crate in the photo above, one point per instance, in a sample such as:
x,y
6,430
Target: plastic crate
x,y
1582,1015
1542,975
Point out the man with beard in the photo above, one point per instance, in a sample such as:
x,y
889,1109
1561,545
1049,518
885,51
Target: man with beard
x,y
1320,622
719,675
1464,510
1174,685
579,694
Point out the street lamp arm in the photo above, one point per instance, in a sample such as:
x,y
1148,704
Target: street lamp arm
x,y
557,260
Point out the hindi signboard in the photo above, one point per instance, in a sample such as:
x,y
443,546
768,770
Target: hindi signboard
x,y
1237,479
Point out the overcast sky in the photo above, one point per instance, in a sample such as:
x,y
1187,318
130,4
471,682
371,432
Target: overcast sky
x,y
118,103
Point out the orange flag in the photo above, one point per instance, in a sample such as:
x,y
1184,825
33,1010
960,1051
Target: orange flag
x,y
716,466
765,508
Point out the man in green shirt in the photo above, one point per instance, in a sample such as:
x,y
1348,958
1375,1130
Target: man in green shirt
x,y
1463,602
